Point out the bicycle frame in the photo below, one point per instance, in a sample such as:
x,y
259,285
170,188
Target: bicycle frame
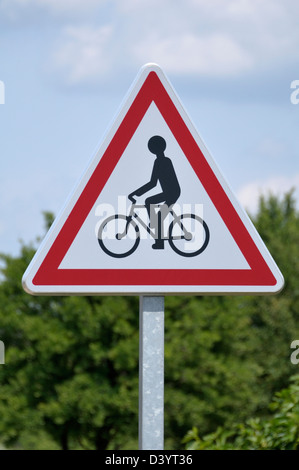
x,y
132,214
196,235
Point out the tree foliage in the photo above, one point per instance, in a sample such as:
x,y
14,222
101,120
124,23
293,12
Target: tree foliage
x,y
71,375
71,367
279,431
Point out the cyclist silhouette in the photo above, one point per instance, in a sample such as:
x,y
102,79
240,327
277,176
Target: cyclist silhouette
x,y
163,172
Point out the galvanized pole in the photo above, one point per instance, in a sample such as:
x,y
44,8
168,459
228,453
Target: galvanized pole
x,y
151,373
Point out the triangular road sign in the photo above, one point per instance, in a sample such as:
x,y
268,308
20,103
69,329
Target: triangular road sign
x,y
101,244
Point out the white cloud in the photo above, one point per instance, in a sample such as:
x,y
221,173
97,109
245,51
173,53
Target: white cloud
x,y
211,54
13,7
256,34
214,38
84,53
249,194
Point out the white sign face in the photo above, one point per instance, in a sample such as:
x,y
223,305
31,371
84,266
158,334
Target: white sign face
x,y
152,214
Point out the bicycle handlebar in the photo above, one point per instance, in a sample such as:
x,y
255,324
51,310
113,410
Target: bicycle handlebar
x,y
132,199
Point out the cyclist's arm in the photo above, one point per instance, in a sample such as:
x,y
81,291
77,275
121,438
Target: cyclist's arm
x,y
148,186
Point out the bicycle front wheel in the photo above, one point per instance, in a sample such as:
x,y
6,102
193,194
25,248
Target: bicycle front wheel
x,y
188,235
119,236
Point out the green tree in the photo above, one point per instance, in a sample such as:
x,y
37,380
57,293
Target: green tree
x,y
272,322
275,319
279,431
70,378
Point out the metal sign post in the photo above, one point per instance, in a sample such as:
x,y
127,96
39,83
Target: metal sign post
x,y
151,373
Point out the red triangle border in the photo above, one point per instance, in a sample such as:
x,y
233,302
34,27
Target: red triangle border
x,y
49,273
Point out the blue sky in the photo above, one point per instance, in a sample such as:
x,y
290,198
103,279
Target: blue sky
x,y
67,65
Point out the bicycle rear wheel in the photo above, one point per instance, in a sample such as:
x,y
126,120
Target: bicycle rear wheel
x,y
119,236
188,235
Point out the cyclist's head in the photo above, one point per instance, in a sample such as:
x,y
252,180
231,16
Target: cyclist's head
x,y
156,144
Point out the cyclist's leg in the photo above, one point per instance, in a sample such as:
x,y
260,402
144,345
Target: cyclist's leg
x,y
155,219
157,199
152,200
166,209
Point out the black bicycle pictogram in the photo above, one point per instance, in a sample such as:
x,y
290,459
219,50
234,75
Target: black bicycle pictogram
x,y
188,234
119,234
